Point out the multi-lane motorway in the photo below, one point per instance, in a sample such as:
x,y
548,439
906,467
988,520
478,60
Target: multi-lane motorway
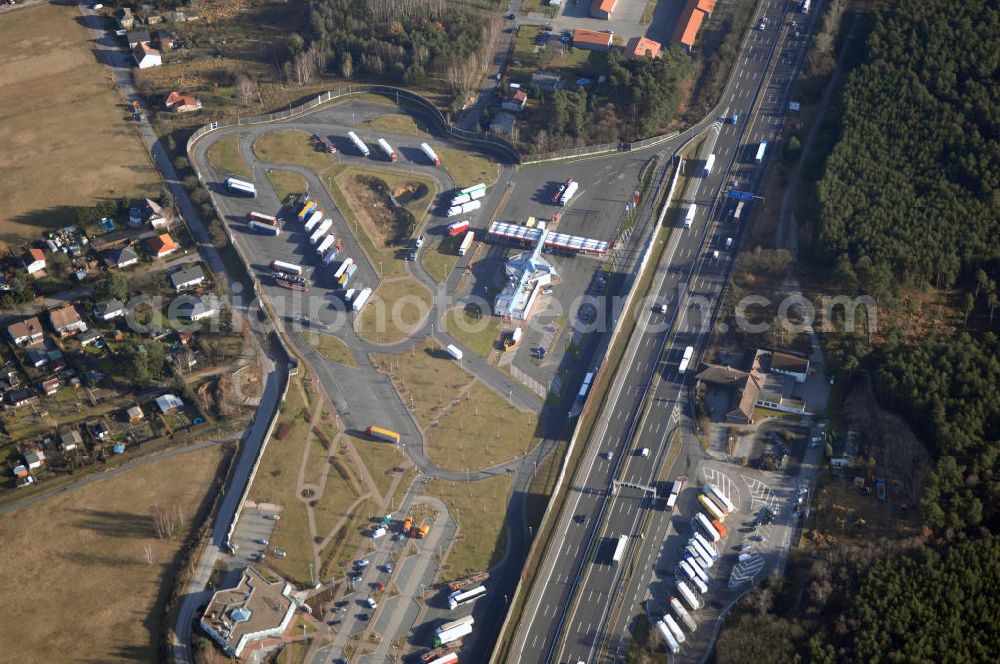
x,y
579,610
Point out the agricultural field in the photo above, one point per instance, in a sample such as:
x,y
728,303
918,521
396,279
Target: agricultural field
x,y
91,563
65,139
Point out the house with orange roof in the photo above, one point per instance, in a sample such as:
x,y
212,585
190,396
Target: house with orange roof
x,y
639,47
179,103
707,6
162,245
34,261
602,8
592,39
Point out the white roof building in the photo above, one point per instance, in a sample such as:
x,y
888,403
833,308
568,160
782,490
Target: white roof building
x,y
526,272
168,403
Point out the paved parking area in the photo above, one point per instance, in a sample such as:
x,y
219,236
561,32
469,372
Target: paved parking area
x,y
624,20
256,524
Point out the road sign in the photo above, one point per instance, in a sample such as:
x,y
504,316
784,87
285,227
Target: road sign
x,y
739,195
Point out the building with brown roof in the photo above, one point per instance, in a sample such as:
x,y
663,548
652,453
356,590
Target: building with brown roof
x,y
689,23
790,364
602,8
707,6
754,388
146,56
179,103
592,39
66,320
26,332
639,47
256,609
34,261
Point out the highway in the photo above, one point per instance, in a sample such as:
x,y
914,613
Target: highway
x,y
579,608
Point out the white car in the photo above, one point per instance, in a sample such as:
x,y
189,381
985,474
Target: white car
x,y
262,540
97,5
372,604
361,564
762,24
644,452
660,308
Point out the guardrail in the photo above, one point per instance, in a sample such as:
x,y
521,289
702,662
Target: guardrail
x,y
401,97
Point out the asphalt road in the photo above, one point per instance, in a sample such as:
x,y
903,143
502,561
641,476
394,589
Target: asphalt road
x,y
569,616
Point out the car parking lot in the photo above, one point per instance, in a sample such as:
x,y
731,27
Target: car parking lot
x,y
251,539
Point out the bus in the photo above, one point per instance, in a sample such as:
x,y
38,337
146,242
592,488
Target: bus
x,y
759,159
711,507
686,360
619,550
262,218
720,497
706,526
241,187
382,434
460,597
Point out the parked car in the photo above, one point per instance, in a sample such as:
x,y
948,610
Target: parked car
x,y
361,564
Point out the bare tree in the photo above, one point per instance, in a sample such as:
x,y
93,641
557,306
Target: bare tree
x,y
248,90
149,555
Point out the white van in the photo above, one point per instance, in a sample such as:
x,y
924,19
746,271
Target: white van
x,y
689,219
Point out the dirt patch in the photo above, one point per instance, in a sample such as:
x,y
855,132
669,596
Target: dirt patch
x,y
386,223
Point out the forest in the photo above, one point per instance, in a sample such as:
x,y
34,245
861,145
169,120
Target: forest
x,y
404,42
912,184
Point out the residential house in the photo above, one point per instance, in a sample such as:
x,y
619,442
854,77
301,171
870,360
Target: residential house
x,y
592,40
162,245
109,309
688,25
26,332
89,337
639,47
99,430
704,6
790,364
169,403
255,610
516,99
547,81
50,386
120,258
179,103
34,459
66,320
125,18
135,414
146,56
186,278
34,261
37,357
602,9
197,308
70,440
156,216
138,37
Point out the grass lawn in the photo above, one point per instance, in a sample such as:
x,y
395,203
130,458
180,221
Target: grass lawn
x,y
286,182
292,147
331,348
573,63
351,542
66,138
80,559
397,308
381,459
276,482
342,488
478,509
483,430
394,124
439,258
468,168
478,335
294,652
224,155
429,377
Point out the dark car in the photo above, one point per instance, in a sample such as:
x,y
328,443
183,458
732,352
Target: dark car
x,y
510,17
580,518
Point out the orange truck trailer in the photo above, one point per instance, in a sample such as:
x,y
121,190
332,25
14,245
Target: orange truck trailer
x,y
382,434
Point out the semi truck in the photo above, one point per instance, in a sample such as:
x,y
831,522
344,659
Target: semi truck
x,y
476,190
453,634
361,299
262,218
705,544
287,268
459,199
331,254
693,601
709,163
701,521
464,208
313,221
433,655
738,211
675,489
307,209
346,276
325,245
466,243
460,597
685,359
683,614
619,553
689,217
710,507
430,154
675,629
761,149
700,572
358,144
565,192
719,497
266,229
450,658
321,231
457,228
455,352
668,637
720,528
241,187
390,154
343,268
379,433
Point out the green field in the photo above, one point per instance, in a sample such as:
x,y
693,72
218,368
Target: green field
x,y
292,147
430,379
396,310
478,334
468,168
224,155
438,258
285,183
331,348
395,124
